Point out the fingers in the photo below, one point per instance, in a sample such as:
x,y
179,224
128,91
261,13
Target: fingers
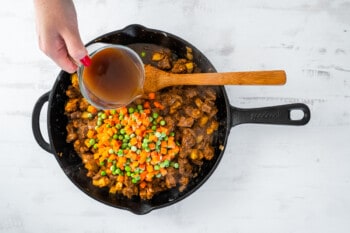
x,y
65,50
64,61
75,46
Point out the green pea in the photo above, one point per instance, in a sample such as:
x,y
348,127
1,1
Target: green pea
x,y
95,146
120,152
154,128
131,110
127,168
139,107
162,122
92,142
155,115
156,167
113,168
113,111
133,148
124,145
111,151
99,122
166,163
122,131
118,126
103,173
103,116
176,165
102,163
115,136
134,180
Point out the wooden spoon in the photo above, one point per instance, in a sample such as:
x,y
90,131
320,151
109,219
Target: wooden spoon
x,y
156,79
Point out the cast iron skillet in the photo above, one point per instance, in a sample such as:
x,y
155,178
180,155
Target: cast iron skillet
x,y
228,116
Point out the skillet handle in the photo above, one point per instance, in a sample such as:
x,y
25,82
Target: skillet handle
x,y
36,122
279,115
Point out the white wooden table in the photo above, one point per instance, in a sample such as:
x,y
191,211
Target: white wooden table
x,y
271,179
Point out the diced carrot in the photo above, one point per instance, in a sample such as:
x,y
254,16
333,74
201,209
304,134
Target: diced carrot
x,y
133,156
143,185
152,95
153,138
143,157
133,141
92,109
134,164
90,133
164,144
152,146
120,178
142,166
163,171
163,151
146,105
149,176
171,143
123,110
158,105
149,168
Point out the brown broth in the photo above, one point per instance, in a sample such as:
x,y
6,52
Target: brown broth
x,y
112,76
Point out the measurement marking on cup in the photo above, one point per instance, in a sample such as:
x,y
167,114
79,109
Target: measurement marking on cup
x,y
264,115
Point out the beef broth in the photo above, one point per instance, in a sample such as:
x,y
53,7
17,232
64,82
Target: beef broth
x,y
112,75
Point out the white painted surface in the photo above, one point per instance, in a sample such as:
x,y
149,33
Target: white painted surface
x,y
271,179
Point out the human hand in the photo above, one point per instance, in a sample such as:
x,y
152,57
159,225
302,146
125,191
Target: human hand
x,y
58,34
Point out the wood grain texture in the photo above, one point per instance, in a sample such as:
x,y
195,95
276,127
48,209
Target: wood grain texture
x,y
156,79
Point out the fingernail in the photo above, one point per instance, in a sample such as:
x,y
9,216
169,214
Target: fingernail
x,y
86,61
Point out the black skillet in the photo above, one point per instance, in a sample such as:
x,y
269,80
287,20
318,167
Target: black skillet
x,y
141,38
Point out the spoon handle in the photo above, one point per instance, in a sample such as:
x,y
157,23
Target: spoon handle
x,y
270,77
157,79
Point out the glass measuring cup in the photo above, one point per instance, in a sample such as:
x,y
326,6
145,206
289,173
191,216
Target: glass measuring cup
x,y
115,77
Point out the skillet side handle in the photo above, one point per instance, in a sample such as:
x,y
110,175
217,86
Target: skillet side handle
x,y
279,115
36,123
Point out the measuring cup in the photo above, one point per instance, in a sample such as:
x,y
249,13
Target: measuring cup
x,y
107,91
